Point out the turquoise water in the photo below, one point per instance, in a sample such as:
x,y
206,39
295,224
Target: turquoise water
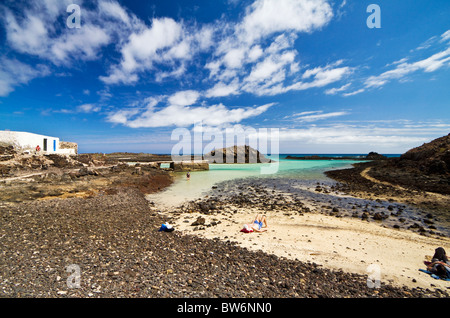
x,y
201,182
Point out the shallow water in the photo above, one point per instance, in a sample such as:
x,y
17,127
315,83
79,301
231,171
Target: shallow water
x,y
296,177
201,182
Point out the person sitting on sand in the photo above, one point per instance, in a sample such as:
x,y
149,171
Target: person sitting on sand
x,y
440,269
439,264
259,225
440,256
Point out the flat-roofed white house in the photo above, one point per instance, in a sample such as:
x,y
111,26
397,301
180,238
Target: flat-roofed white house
x,y
28,142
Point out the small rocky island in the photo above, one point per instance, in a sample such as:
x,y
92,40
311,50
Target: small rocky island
x,y
236,154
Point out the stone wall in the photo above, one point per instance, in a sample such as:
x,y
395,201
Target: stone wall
x,y
189,166
72,147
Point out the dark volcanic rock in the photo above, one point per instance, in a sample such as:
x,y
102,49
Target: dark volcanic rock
x,y
375,156
236,154
432,157
114,242
425,168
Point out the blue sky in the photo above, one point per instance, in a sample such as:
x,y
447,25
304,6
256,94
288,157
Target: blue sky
x,y
136,70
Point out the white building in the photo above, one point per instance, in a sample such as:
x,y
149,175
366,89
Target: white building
x,y
25,141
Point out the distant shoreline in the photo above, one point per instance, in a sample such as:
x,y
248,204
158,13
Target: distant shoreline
x,y
149,157
316,157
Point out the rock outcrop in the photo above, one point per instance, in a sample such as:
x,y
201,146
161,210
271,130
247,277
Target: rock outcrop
x,y
375,156
431,158
236,154
424,168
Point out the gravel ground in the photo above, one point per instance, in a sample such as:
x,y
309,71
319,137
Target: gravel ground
x,y
112,241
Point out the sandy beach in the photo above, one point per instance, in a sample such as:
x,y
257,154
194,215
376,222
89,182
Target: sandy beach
x,y
335,243
305,229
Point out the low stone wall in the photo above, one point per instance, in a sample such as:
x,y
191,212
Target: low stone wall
x,y
189,166
68,147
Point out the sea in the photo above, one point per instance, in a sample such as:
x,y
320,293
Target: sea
x,y
200,182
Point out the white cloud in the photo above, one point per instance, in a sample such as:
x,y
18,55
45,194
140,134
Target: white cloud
x,y
14,73
31,37
333,91
345,134
320,77
358,91
306,113
122,116
265,69
430,64
88,108
184,98
234,58
145,47
84,108
259,49
35,33
360,138
256,52
324,76
142,48
266,17
163,48
445,36
117,75
85,43
314,116
220,89
179,111
114,10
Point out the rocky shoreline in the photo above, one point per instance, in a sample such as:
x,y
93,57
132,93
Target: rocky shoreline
x,y
330,198
368,181
99,222
115,242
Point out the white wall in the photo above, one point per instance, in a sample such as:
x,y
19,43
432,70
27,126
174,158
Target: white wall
x,y
29,141
66,151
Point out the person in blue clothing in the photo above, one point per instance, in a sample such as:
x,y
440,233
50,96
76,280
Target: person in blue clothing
x,y
260,223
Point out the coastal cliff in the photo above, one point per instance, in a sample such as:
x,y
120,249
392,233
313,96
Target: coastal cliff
x,y
424,168
430,158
